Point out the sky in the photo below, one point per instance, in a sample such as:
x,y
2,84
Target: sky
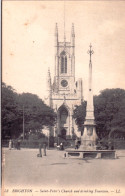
x,y
28,29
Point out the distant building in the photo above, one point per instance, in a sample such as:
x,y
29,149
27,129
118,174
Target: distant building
x,y
65,92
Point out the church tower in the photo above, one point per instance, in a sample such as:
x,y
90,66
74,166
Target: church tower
x,y
65,92
64,64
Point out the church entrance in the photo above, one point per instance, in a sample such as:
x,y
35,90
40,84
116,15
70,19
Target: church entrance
x,y
63,133
63,121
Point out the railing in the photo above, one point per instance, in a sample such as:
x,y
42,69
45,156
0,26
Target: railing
x,y
25,143
117,143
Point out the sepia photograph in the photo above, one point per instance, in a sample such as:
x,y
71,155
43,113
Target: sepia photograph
x,y
63,98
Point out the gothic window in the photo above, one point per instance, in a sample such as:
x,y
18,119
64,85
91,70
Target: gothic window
x,y
63,62
64,116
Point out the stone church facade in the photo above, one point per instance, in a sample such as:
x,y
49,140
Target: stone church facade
x,y
65,92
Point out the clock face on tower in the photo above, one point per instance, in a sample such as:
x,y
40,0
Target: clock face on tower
x,y
64,83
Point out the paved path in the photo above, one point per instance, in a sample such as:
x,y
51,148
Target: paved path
x,y
24,168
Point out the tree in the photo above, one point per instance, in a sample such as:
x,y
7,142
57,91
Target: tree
x,y
8,111
36,113
15,106
109,109
79,115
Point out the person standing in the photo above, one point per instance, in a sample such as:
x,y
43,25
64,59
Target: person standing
x,y
10,144
18,145
40,151
44,149
61,146
76,144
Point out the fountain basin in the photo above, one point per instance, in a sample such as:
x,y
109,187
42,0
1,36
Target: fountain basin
x,y
98,154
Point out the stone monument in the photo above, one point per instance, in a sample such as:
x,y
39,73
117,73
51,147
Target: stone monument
x,y
89,138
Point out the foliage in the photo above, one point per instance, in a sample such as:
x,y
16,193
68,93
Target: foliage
x,y
27,106
9,110
36,135
110,111
79,115
36,113
109,108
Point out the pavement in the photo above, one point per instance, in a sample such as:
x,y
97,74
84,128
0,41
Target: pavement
x,y
23,169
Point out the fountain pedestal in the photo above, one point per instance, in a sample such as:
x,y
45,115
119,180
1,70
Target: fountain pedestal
x,y
89,138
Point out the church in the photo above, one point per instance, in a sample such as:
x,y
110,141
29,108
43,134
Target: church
x,y
64,92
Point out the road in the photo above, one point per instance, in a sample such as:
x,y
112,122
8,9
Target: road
x,y
22,168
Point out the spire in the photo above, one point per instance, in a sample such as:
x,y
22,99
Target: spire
x,y
72,31
48,71
49,89
49,80
72,35
56,30
56,35
64,25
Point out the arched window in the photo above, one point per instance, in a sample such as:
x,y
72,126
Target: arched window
x,y
63,62
63,116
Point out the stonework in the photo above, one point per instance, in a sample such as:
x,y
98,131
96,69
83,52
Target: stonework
x,y
65,92
89,138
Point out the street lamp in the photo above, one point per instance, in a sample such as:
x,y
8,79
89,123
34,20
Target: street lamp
x,y
23,123
48,140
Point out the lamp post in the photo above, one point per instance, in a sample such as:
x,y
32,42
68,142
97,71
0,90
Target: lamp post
x,y
48,140
58,139
23,124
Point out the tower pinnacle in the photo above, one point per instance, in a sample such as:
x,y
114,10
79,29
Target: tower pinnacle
x,y
49,90
56,35
64,25
56,30
73,38
49,80
73,32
